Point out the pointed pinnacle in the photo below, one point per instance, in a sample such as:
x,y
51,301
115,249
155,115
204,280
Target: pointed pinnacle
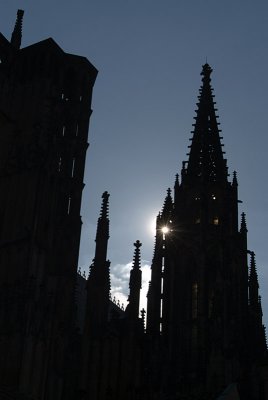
x,y
252,263
143,312
136,259
206,72
105,205
168,202
243,228
137,244
235,183
102,234
17,32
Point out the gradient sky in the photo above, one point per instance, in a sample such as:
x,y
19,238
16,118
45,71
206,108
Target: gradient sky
x,y
149,55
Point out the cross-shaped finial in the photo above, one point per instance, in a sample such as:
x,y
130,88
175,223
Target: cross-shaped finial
x,y
137,244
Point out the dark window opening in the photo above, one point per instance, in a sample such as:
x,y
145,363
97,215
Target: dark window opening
x,y
69,205
73,164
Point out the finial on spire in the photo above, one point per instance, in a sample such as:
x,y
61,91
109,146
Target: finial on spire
x,y
136,260
243,228
132,310
105,205
137,244
17,32
168,202
206,71
235,183
102,234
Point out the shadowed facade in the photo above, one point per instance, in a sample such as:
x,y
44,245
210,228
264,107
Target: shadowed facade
x,y
45,103
61,335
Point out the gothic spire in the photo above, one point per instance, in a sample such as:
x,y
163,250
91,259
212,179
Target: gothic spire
x,y
168,204
206,162
132,309
235,183
17,32
99,270
99,277
102,234
243,227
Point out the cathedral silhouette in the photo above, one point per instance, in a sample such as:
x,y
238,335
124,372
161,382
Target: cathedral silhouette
x,y
61,334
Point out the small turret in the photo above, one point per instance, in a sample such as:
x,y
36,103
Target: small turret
x,y
132,309
17,32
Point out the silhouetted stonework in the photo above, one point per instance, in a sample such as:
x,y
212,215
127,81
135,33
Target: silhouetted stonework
x,y
204,309
45,102
61,335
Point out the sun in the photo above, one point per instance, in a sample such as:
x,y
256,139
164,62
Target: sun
x,y
165,229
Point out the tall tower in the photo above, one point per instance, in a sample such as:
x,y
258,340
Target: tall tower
x,y
204,309
45,107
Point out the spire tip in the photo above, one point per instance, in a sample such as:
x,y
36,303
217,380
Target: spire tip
x,y
206,71
17,31
137,244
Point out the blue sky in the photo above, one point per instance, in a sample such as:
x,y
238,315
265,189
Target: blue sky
x,y
149,55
